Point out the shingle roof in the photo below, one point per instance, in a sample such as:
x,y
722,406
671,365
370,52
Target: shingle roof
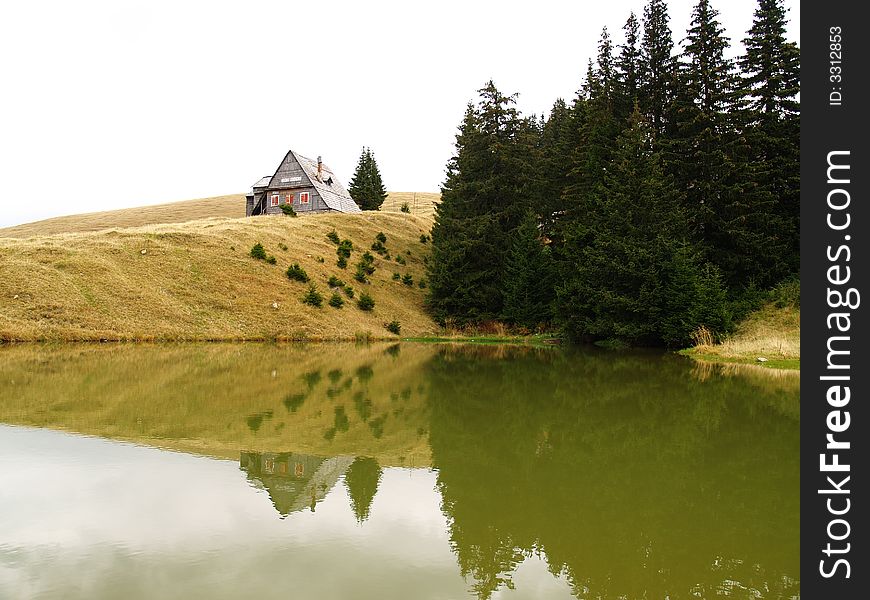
x,y
263,181
335,196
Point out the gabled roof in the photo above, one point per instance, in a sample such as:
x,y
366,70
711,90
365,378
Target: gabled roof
x,y
335,196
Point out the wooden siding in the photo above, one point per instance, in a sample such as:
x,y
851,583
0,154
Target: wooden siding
x,y
315,202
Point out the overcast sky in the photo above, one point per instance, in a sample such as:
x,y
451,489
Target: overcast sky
x,y
122,103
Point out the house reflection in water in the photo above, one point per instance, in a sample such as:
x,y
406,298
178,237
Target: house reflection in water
x,y
293,481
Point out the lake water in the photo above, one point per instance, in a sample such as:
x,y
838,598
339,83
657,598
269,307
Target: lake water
x,y
408,471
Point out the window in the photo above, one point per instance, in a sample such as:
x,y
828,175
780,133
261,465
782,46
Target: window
x,y
275,198
303,197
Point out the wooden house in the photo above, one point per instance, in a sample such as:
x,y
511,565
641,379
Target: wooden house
x,y
306,185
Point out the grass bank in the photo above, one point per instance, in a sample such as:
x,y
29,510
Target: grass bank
x,y
771,333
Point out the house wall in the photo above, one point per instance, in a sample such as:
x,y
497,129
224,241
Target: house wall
x,y
315,202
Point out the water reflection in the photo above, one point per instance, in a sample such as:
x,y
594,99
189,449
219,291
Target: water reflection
x,y
622,475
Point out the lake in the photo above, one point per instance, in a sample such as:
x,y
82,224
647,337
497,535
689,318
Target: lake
x,y
408,471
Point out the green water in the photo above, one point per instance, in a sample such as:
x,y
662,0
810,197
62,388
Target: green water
x,y
393,471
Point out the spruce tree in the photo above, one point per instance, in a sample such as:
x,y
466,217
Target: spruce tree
x,y
657,65
628,69
484,198
633,275
528,281
366,187
597,130
770,72
557,146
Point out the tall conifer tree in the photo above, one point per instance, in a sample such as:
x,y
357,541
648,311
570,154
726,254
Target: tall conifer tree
x,y
771,83
483,200
657,61
366,187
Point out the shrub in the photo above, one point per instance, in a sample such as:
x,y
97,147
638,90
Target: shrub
x,y
408,280
336,300
297,273
422,284
379,248
424,238
258,252
344,248
360,274
283,246
313,297
365,302
348,291
401,260
396,277
787,293
271,260
320,259
288,210
341,262
381,237
405,208
332,236
335,282
394,327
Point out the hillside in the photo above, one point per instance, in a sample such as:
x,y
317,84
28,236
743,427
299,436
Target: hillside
x,y
196,280
231,206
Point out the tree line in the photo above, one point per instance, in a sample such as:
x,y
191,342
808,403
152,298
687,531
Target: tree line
x,y
662,198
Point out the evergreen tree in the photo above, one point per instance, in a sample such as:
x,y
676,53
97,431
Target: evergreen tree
x,y
484,198
771,84
629,67
558,140
633,275
366,187
528,281
362,479
657,64
734,222
597,130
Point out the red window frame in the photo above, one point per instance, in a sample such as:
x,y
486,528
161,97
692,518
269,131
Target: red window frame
x,y
276,198
304,197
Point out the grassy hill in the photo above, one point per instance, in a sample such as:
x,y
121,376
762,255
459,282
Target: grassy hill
x,y
419,203
195,280
232,206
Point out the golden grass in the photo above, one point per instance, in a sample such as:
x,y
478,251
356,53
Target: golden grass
x,y
196,281
771,332
421,204
232,206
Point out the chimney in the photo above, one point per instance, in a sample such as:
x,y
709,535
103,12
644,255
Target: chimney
x,y
319,169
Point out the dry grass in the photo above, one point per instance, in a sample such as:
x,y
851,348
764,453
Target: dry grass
x,y
196,281
421,204
771,332
232,206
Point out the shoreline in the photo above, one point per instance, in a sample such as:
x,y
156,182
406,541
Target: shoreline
x,y
779,363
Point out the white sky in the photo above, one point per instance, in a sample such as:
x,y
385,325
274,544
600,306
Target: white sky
x,y
111,104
